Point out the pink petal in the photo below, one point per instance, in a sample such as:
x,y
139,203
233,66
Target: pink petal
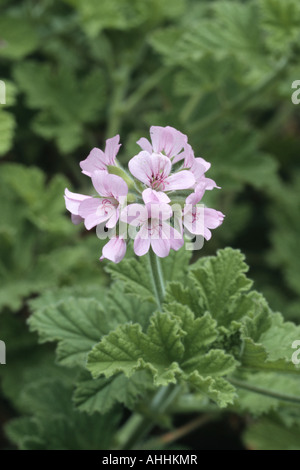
x,y
150,195
142,241
112,148
204,163
161,247
209,183
109,185
73,201
90,211
198,169
187,155
145,145
76,219
194,219
96,160
181,180
112,222
194,198
146,167
167,140
114,250
176,239
213,218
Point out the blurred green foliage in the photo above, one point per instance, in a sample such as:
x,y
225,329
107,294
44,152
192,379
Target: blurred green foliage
x,y
80,71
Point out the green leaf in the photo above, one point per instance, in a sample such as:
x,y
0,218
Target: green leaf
x,y
201,332
124,14
100,395
127,349
77,324
171,350
216,389
264,345
271,435
7,131
65,101
18,37
258,404
220,281
57,424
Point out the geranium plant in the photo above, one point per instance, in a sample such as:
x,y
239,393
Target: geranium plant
x,y
169,336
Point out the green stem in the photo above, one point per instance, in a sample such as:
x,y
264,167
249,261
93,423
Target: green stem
x,y
138,426
264,391
157,278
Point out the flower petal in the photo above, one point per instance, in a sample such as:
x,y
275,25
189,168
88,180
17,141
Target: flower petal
x,y
96,160
150,195
112,148
73,201
182,180
176,239
114,250
167,140
109,185
213,218
150,168
76,219
142,241
91,210
112,222
161,246
145,145
187,155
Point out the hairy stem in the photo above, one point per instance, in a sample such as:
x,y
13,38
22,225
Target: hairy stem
x,y
157,278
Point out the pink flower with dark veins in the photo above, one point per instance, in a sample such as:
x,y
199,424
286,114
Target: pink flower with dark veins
x,y
99,160
154,170
154,230
166,165
112,191
197,219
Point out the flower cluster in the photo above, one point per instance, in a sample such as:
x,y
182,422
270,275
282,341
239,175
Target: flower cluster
x,y
166,184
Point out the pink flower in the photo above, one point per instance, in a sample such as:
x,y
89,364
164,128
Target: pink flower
x,y
114,250
154,170
154,230
164,139
198,219
73,201
113,191
99,160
